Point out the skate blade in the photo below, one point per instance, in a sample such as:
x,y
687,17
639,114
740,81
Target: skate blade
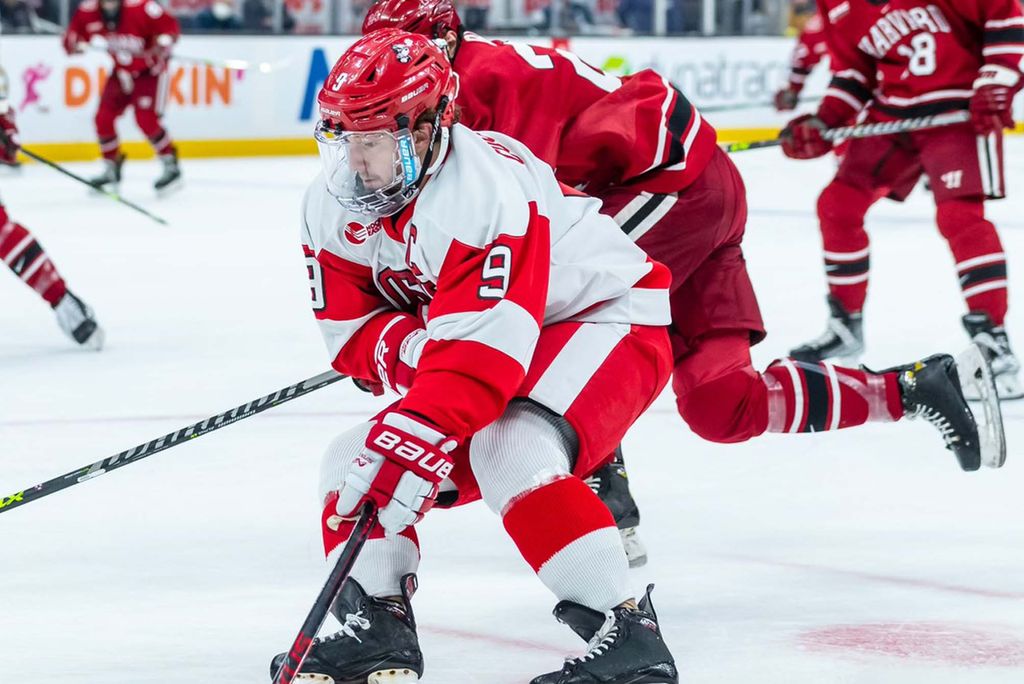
x,y
168,190
976,376
96,340
395,676
636,552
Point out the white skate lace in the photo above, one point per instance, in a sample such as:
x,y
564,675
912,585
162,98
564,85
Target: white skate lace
x,y
601,641
594,482
835,330
349,627
939,421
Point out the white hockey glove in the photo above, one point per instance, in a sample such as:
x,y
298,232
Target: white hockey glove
x,y
403,462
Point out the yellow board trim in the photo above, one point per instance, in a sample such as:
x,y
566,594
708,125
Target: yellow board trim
x,y
279,147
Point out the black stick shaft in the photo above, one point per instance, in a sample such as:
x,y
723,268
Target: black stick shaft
x,y
167,441
318,613
112,195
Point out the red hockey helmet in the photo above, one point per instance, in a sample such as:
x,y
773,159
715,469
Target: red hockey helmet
x,y
372,99
384,77
431,18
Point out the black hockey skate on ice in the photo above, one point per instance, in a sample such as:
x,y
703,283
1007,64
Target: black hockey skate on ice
x,y
611,484
843,337
931,389
624,647
995,345
77,320
110,179
377,643
170,179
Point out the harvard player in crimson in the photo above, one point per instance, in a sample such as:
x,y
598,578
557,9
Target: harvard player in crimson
x,y
29,262
525,333
139,35
640,147
904,59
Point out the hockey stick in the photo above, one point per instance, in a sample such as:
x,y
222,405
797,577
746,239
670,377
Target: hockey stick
x,y
230,64
865,130
54,165
167,441
318,613
750,105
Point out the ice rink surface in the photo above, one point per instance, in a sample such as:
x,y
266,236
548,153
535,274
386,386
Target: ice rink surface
x,y
864,556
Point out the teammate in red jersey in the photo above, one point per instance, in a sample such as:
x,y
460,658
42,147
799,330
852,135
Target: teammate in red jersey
x,y
904,59
810,49
686,207
139,35
25,257
535,330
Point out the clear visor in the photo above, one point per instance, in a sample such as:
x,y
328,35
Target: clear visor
x,y
369,172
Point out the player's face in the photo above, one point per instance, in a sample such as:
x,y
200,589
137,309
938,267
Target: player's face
x,y
110,7
372,156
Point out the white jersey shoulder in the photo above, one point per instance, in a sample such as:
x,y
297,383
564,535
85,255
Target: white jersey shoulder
x,y
327,226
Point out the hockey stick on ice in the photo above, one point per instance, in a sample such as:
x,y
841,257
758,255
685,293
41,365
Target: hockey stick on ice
x,y
112,195
167,441
865,130
318,613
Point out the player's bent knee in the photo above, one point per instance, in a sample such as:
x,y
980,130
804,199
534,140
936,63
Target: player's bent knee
x,y
730,408
526,448
839,203
339,454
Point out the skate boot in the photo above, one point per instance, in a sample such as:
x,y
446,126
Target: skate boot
x,y
611,484
76,319
110,179
996,348
377,643
931,389
624,647
170,179
843,339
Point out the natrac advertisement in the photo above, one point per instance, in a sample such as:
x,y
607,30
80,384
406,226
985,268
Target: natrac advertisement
x,y
55,95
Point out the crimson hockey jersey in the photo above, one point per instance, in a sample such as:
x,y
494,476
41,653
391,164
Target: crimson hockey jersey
x,y
140,42
911,58
594,129
491,250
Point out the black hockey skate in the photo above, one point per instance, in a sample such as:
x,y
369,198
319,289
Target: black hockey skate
x,y
624,647
77,320
995,346
843,338
931,389
110,179
611,484
377,643
170,179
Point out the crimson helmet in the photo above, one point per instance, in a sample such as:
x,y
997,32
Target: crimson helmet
x,y
369,104
431,18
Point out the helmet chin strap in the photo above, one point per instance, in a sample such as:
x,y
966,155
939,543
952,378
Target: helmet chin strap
x,y
438,143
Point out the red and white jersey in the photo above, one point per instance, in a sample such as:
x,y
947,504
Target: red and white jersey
x,y
141,40
491,250
912,58
596,130
810,49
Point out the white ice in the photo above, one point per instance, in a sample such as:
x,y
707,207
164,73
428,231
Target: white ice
x,y
859,556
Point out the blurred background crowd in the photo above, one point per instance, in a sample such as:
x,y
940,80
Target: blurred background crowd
x,y
495,17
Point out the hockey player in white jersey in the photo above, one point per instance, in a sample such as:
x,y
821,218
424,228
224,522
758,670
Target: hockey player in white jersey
x,y
525,334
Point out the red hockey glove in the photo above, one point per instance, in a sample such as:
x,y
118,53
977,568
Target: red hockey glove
x,y
403,462
369,386
72,43
398,351
786,99
802,139
992,102
9,139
